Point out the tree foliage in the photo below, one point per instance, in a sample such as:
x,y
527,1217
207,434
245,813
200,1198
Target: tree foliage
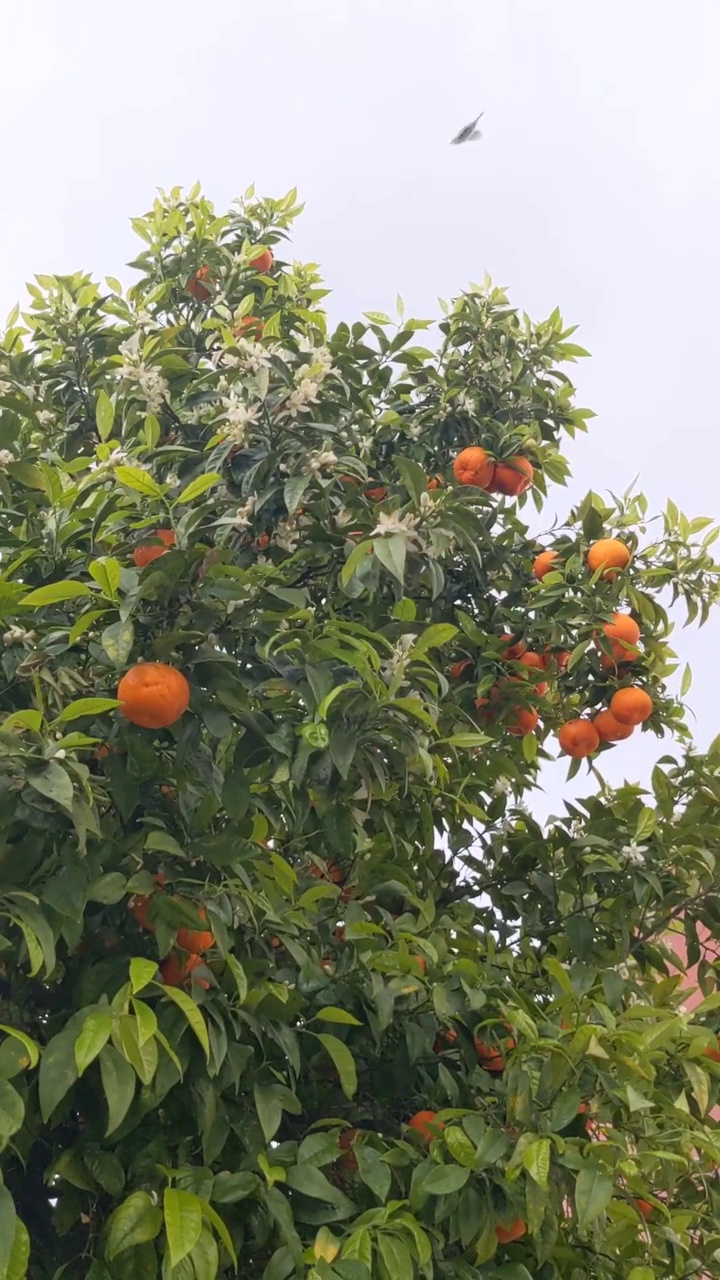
x,y
336,829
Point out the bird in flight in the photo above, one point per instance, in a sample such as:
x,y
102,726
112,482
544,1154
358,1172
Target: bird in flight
x,y
468,133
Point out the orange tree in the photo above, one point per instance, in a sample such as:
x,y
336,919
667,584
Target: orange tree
x,y
292,982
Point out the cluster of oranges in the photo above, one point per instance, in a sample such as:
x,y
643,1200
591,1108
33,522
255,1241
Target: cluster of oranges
x,y
261,261
191,944
511,476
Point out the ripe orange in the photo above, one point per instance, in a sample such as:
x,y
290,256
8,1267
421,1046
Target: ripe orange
x,y
644,1208
153,695
421,963
623,633
631,706
490,1057
176,970
514,650
139,904
148,551
474,466
713,1053
425,1123
457,668
248,324
262,260
513,476
444,1040
557,658
535,662
544,563
525,721
196,940
263,541
195,285
610,552
434,482
610,729
515,1231
377,494
348,1160
578,738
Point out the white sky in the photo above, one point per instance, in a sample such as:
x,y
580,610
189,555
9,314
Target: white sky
x,y
596,186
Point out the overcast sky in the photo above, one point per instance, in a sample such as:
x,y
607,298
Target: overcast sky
x,y
596,186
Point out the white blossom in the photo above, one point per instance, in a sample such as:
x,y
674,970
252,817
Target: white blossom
x,y
5,387
502,787
319,365
302,397
286,535
635,853
45,417
399,659
5,457
18,635
343,517
389,523
253,356
118,458
320,460
244,514
465,403
149,380
239,416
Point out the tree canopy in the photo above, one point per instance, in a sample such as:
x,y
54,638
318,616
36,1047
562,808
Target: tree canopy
x,y
292,982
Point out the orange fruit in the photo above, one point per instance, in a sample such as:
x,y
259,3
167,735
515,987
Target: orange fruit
x,y
195,285
631,706
457,668
525,721
474,466
515,1231
644,1208
263,541
148,551
376,494
513,476
490,1057
139,904
557,658
535,662
248,324
153,695
421,963
578,738
713,1053
444,1040
348,1160
262,260
610,729
176,970
514,650
610,553
623,633
544,563
434,482
196,940
425,1123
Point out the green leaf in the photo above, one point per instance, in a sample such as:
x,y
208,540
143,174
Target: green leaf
x,y
104,415
192,1013
374,1172
239,976
54,593
269,1109
329,1013
641,1273
54,783
391,552
686,681
396,1257
593,1192
445,1179
32,1049
699,1084
136,1221
434,637
92,1039
536,1159
228,1188
118,1082
17,1266
197,487
58,1070
183,1222
344,1062
459,1146
8,1222
354,560
216,1221
141,973
117,640
12,1110
84,623
308,1179
86,707
106,572
293,491
139,481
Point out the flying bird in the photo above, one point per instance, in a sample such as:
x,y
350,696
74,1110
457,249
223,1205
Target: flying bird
x,y
468,133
